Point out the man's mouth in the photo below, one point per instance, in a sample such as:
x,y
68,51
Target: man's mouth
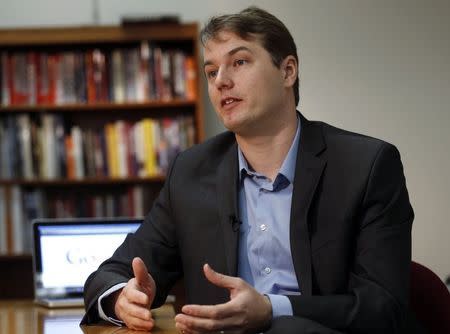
x,y
229,101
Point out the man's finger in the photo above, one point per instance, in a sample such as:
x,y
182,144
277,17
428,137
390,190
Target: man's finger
x,y
136,296
194,324
140,272
219,311
137,311
218,279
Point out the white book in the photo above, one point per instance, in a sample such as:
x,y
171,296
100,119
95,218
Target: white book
x,y
142,93
49,146
23,122
179,75
77,139
118,76
17,220
131,70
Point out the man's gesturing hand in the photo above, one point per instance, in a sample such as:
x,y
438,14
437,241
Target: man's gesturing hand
x,y
134,300
246,311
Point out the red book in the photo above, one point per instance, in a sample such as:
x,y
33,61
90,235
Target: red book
x,y
70,158
191,78
91,87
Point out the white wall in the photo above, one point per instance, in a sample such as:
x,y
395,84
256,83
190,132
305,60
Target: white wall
x,y
379,67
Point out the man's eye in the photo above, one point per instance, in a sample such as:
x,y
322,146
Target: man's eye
x,y
240,62
211,74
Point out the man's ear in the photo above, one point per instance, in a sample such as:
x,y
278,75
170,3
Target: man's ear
x,y
290,70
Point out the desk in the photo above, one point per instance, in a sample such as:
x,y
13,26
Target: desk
x,y
24,317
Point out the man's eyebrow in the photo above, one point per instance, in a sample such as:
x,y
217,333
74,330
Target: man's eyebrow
x,y
230,53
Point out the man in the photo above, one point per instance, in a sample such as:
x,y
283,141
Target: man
x,y
281,224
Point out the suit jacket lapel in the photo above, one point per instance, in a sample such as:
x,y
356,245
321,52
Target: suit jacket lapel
x,y
227,196
309,168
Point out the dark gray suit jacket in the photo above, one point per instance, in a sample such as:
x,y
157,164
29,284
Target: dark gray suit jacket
x,y
350,230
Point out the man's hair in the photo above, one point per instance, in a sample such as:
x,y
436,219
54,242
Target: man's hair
x,y
255,22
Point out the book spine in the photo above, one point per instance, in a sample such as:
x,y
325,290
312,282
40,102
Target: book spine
x,y
23,123
191,78
20,94
5,79
78,152
42,79
118,76
3,217
17,220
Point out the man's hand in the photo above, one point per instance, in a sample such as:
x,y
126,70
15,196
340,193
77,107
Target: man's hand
x,y
134,300
246,311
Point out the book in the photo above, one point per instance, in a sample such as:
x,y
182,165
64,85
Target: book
x,y
43,79
5,79
3,218
32,64
78,155
191,78
48,146
117,76
122,148
143,82
18,225
19,88
34,207
24,133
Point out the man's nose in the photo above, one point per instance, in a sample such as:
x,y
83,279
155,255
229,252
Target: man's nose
x,y
223,79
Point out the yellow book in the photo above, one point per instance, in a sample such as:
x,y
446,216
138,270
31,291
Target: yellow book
x,y
148,126
111,149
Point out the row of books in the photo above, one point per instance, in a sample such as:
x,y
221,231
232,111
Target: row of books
x,y
26,205
44,147
134,74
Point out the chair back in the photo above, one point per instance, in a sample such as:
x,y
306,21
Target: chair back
x,y
429,299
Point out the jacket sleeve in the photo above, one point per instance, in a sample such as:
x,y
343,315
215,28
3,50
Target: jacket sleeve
x,y
154,242
376,300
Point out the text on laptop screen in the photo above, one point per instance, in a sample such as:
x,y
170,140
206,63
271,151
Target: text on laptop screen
x,y
70,253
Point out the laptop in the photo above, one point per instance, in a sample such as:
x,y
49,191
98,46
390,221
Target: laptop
x,y
67,251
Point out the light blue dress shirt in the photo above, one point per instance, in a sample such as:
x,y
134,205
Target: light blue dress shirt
x,y
265,259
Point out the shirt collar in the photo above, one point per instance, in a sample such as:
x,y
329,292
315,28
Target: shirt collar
x,y
288,166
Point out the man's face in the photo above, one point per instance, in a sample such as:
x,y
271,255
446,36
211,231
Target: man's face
x,y
246,89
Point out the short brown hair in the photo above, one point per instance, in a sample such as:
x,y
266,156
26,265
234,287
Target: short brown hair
x,y
251,22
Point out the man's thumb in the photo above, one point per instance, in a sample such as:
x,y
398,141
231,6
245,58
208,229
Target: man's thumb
x,y
218,279
140,272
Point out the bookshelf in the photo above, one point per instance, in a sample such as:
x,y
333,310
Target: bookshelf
x,y
115,94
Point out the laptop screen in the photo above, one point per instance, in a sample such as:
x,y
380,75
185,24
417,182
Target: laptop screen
x,y
68,251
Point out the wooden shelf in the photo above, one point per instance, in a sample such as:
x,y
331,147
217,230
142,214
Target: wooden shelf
x,y
85,181
96,35
106,106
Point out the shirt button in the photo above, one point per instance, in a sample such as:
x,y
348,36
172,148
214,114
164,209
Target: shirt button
x,y
263,227
267,270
